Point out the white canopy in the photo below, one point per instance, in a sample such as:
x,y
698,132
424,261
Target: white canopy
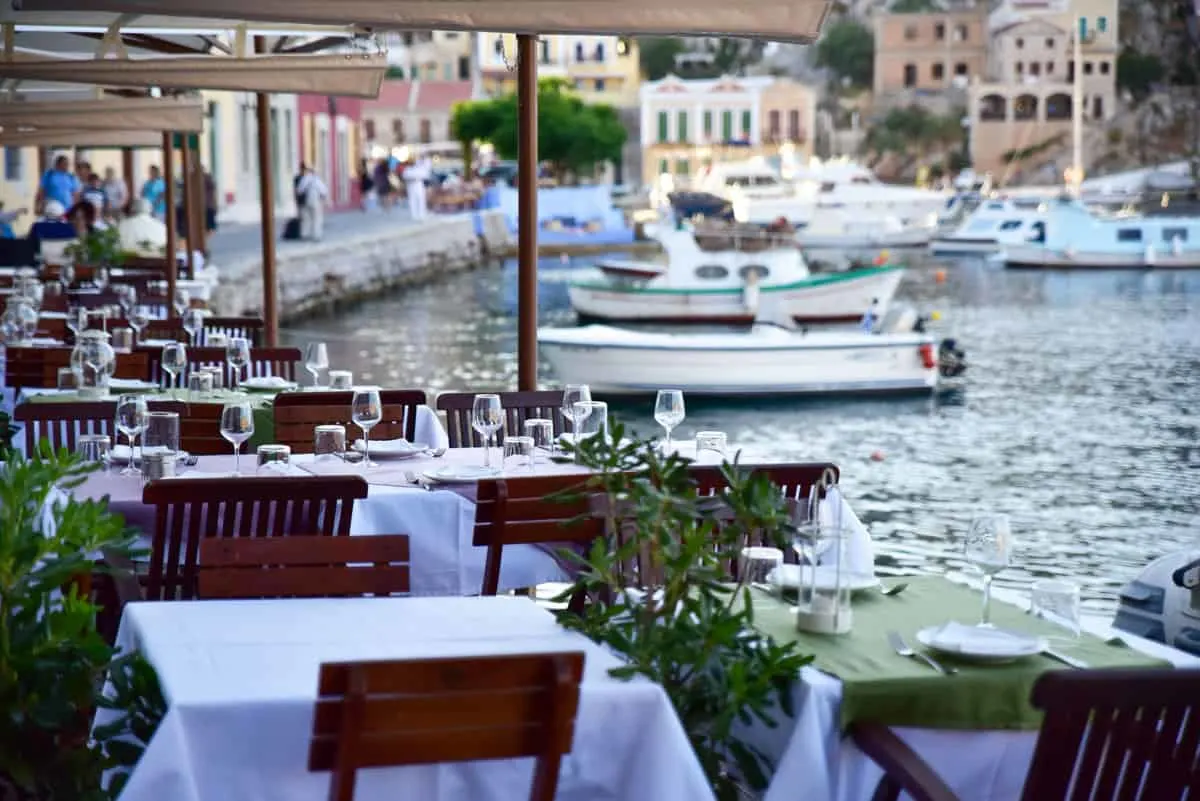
x,y
790,20
64,137
111,114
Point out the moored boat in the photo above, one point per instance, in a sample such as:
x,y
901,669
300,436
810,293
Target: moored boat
x,y
993,225
842,231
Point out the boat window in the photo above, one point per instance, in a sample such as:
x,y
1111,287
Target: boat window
x,y
827,186
712,272
1129,235
1010,225
765,180
759,271
1171,234
999,206
1027,202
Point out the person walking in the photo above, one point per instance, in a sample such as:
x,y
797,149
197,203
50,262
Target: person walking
x,y
154,191
414,185
116,193
311,198
383,184
58,185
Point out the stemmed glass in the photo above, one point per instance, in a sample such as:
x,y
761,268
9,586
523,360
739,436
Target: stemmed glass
x,y
174,362
237,354
77,320
131,421
989,547
100,278
139,318
669,412
574,394
127,298
66,276
237,426
316,359
366,410
487,416
182,301
193,323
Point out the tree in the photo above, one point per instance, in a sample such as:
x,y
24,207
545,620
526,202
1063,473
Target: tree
x,y
913,133
1138,73
848,49
573,136
657,54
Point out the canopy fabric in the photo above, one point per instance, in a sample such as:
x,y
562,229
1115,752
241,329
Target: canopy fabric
x,y
785,20
112,114
59,137
351,75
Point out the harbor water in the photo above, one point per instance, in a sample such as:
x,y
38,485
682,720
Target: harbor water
x,y
1080,417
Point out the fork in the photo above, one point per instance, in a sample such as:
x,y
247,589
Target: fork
x,y
901,647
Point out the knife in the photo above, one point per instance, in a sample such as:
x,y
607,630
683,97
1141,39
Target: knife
x,y
1070,661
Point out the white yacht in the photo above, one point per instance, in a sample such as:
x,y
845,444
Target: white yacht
x,y
994,224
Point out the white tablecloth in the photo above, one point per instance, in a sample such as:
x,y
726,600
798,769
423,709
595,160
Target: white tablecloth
x,y
817,764
240,678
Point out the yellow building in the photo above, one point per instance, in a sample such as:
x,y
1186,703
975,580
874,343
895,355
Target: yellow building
x,y
603,69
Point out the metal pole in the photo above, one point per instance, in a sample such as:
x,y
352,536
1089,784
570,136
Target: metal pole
x,y
266,196
1077,109
189,198
168,173
127,175
527,212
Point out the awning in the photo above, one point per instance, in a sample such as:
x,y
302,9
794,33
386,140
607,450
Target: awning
x,y
88,139
110,114
784,20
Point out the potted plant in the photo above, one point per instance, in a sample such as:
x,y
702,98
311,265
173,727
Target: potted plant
x,y
101,248
691,631
55,668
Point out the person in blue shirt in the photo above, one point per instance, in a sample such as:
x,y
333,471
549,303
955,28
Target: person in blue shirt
x,y
154,191
59,185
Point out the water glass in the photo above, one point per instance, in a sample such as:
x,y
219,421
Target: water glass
x,y
341,379
316,359
1058,601
218,376
161,434
573,394
94,448
182,301
591,420
758,566
200,384
122,339
520,450
669,412
274,460
710,442
237,426
131,421
366,410
66,379
541,431
989,546
487,417
193,323
329,443
216,339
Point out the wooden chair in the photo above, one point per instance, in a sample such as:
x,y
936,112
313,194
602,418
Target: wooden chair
x,y
1107,735
304,567
518,407
515,511
200,431
420,712
187,512
263,362
37,368
250,328
297,413
61,424
794,480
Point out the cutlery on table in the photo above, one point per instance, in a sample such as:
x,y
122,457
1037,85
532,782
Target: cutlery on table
x,y
413,478
436,452
1070,661
901,647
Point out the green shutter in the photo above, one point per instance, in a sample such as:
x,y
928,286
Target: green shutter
x,y
663,123
708,123
681,167
681,135
745,132
726,126
193,141
664,167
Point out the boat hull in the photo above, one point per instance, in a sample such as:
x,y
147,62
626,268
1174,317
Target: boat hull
x,y
840,297
871,364
947,246
1032,257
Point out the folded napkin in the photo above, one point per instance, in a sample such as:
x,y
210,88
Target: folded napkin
x,y
977,640
398,444
271,381
860,553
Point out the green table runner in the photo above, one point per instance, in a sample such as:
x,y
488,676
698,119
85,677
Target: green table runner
x,y
880,685
263,404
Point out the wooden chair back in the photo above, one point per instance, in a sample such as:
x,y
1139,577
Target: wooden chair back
x,y
391,713
304,567
200,431
518,407
298,413
263,362
1111,735
37,368
250,328
61,424
187,512
515,511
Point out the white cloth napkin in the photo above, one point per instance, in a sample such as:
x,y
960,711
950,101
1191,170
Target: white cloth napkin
x,y
860,553
976,640
270,381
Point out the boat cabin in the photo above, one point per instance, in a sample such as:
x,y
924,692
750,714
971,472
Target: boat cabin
x,y
1070,227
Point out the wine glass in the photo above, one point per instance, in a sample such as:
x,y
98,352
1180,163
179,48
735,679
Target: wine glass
x,y
127,298
131,421
316,359
100,278
573,394
77,320
366,410
66,276
989,547
139,318
174,362
237,426
237,353
669,412
487,415
193,323
182,301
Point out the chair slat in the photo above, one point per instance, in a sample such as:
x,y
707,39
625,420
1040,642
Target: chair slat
x,y
518,407
298,413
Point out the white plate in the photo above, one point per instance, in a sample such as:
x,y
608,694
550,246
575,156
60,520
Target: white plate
x,y
458,474
271,383
789,576
392,448
156,343
976,644
131,385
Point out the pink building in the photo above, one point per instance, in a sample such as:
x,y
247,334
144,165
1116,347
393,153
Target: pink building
x,y
330,144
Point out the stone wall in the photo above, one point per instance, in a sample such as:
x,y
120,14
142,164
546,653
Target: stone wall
x,y
323,276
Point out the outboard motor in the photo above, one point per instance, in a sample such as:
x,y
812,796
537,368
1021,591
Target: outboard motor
x,y
952,360
1163,603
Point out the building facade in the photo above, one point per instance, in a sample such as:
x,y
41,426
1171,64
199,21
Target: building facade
x,y
687,125
431,55
602,69
412,117
931,52
330,142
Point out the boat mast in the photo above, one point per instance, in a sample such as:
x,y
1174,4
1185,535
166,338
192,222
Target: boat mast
x,y
1077,109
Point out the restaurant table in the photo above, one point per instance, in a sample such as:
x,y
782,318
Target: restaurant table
x,y
983,747
240,680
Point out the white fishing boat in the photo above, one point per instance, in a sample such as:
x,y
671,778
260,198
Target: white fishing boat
x,y
1071,237
724,278
841,230
993,225
766,360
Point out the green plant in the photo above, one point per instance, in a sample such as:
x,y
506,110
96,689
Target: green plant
x,y
691,631
53,663
100,248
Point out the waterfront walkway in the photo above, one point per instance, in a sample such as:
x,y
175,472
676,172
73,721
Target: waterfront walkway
x,y
233,242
